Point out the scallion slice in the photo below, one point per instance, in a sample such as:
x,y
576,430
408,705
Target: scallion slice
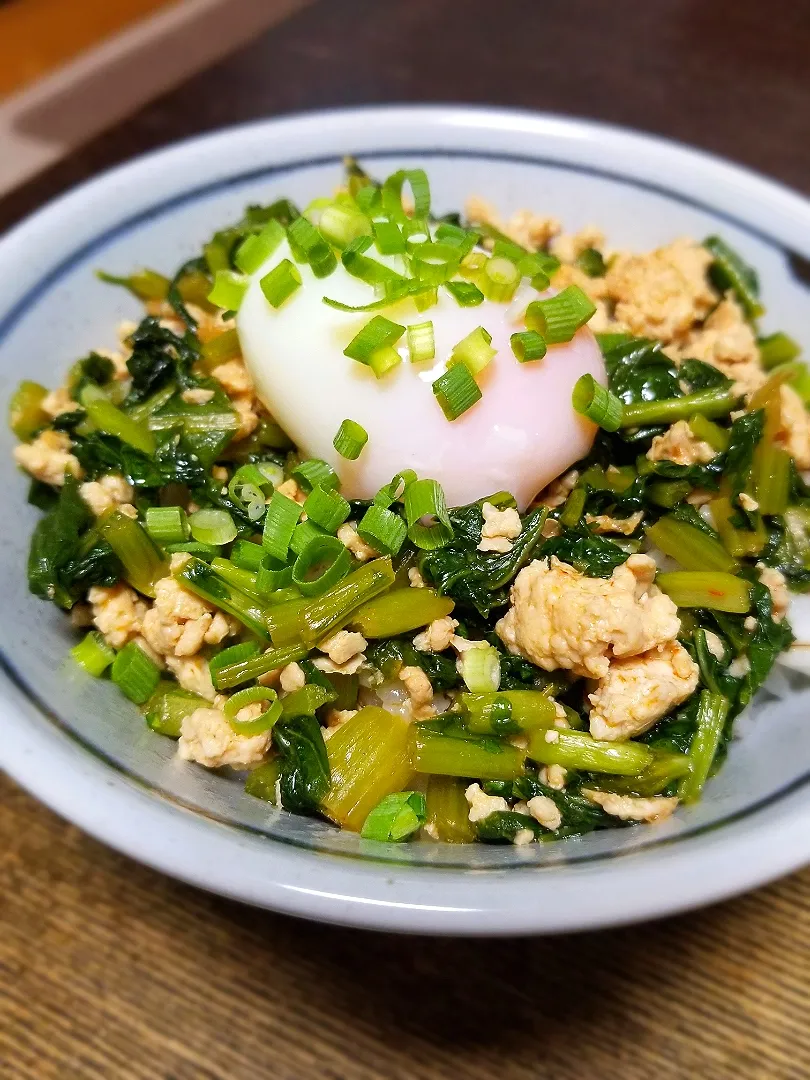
x,y
474,351
341,224
307,242
421,342
392,194
396,817
503,248
326,508
383,529
248,487
228,290
135,675
313,472
280,283
369,270
378,333
260,724
384,360
167,524
351,438
456,391
247,555
253,251
322,564
777,349
499,279
528,345
464,239
559,317
426,514
304,534
273,575
481,670
464,293
395,490
214,527
279,524
599,404
538,263
93,654
193,547
425,298
388,238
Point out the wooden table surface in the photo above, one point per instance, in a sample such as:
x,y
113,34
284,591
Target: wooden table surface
x,y
110,970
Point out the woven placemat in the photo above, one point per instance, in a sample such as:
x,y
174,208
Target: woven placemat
x,y
110,970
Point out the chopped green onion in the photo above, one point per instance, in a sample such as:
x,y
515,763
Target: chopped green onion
x,y
396,817
321,565
280,283
528,345
599,404
231,658
218,350
425,298
245,580
307,700
392,194
168,707
279,524
228,290
426,514
135,675
559,317
142,561
709,589
776,349
464,293
351,438
500,279
192,547
369,270
388,238
472,265
309,246
114,421
474,351
607,342
481,669
342,224
256,249
313,472
504,248
729,271
93,654
260,724
456,391
384,360
421,342
326,508
464,239
247,488
434,263
247,555
383,529
395,490
304,534
215,527
378,333
144,284
273,575
167,524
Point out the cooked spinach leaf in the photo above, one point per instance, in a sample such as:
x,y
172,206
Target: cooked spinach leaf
x,y
305,772
158,357
388,655
591,554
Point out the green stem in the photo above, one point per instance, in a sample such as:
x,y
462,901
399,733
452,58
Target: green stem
x,y
448,815
114,421
508,710
484,759
253,667
657,777
714,402
168,707
711,719
142,561
201,579
399,611
693,548
236,576
577,750
306,622
740,543
710,589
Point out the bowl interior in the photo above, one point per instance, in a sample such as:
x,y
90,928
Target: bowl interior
x,y
63,312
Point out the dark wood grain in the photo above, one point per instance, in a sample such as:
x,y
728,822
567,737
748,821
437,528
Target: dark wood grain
x,y
110,970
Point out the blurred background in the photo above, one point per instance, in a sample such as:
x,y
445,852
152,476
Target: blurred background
x,y
109,970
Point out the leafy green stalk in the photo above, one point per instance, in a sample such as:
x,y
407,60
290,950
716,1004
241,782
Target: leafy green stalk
x,y
712,403
713,590
168,707
448,815
141,559
448,755
692,547
305,774
577,750
202,580
711,718
399,611
508,711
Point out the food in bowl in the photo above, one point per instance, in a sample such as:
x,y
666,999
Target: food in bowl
x,y
436,527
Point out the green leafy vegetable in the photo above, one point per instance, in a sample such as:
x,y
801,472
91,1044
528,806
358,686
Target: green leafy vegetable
x,y
305,774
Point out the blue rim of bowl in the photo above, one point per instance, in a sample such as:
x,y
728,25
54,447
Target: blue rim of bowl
x,y
98,242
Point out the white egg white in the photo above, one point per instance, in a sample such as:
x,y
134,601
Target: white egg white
x,y
521,435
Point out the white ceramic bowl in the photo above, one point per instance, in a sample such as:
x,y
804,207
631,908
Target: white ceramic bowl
x,y
78,746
